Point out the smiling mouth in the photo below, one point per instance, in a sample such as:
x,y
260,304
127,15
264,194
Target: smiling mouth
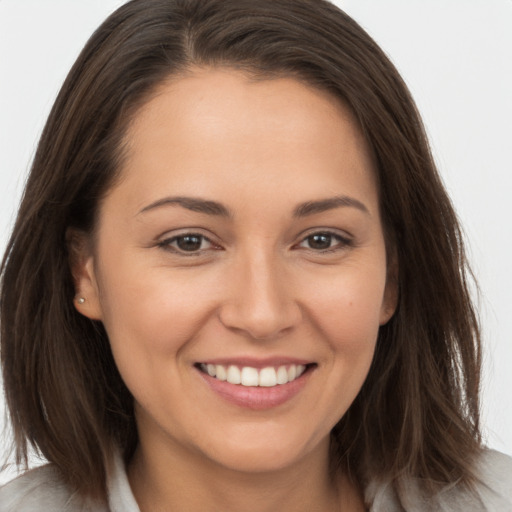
x,y
249,376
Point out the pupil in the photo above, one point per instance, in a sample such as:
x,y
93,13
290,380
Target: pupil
x,y
321,241
189,243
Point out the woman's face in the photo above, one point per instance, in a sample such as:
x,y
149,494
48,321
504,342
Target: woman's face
x,y
243,240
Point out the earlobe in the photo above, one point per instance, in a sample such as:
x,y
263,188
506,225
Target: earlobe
x,y
81,263
391,292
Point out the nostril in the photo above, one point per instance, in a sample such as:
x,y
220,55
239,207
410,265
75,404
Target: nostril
x,y
260,321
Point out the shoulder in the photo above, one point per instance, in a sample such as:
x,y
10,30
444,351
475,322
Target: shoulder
x,y
494,472
41,489
492,491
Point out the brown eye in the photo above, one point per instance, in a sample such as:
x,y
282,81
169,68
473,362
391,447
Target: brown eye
x,y
187,243
324,241
319,241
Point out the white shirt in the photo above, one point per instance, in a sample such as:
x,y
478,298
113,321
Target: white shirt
x,y
41,490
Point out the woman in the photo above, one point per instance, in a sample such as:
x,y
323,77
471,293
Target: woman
x,y
236,281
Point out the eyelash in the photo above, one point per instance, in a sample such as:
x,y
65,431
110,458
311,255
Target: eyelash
x,y
167,244
342,243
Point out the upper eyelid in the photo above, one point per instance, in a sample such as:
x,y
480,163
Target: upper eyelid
x,y
344,241
188,233
166,244
213,239
328,231
199,235
176,233
333,234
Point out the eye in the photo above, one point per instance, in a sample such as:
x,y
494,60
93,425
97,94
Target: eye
x,y
187,243
324,241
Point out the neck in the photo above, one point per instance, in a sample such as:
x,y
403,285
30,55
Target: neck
x,y
171,477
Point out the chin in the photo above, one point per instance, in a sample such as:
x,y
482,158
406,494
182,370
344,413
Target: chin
x,y
266,454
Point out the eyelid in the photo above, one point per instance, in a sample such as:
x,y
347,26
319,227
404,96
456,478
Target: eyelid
x,y
187,230
344,239
341,233
168,238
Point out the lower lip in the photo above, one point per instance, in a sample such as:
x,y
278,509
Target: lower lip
x,y
256,397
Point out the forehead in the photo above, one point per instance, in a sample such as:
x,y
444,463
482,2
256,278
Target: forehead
x,y
210,100
214,126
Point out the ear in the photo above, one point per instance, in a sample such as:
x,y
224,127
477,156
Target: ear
x,y
81,263
391,291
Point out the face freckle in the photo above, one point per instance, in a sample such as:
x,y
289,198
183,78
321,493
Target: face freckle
x,y
244,236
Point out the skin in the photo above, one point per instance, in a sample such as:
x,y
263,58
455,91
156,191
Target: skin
x,y
256,287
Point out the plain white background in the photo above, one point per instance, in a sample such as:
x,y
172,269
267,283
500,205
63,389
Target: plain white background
x,y
455,55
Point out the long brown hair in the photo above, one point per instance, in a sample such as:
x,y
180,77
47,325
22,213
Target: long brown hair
x,y
417,413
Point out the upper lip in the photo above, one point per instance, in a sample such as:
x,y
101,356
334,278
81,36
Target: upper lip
x,y
256,362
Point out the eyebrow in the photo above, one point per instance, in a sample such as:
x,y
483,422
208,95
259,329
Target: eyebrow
x,y
191,203
214,208
314,207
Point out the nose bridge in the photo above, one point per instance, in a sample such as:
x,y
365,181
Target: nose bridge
x,y
261,302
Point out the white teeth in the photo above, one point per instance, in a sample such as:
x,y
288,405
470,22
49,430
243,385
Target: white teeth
x,y
268,377
249,376
220,372
233,375
282,375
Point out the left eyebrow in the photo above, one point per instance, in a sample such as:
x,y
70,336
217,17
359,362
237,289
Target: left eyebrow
x,y
322,205
190,203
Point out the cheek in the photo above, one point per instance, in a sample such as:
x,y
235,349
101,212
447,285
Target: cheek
x,y
345,316
149,321
153,311
347,308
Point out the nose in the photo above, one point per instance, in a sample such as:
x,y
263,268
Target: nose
x,y
261,303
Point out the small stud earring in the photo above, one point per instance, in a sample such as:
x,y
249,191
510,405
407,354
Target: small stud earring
x,y
81,300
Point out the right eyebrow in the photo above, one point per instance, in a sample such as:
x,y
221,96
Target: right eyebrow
x,y
322,205
190,203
